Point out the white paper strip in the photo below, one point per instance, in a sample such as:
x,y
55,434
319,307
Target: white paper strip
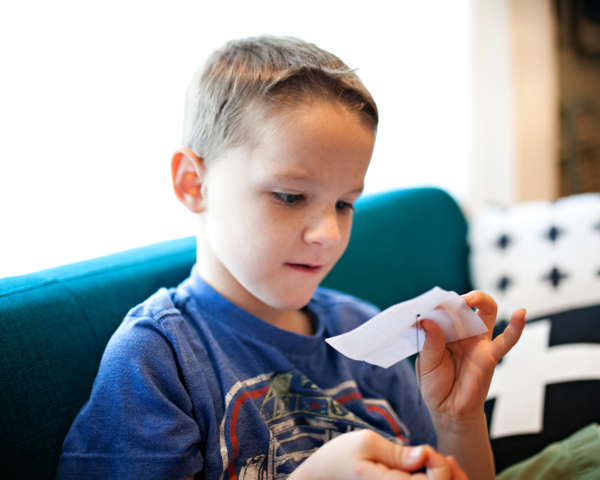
x,y
391,336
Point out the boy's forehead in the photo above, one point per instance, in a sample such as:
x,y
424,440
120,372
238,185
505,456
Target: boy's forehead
x,y
319,145
304,172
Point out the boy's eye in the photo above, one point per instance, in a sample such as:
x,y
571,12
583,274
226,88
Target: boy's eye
x,y
291,200
288,199
344,206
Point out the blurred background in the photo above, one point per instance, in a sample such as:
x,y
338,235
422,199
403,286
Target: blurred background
x,y
495,101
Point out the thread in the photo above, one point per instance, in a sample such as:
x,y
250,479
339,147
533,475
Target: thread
x,y
418,368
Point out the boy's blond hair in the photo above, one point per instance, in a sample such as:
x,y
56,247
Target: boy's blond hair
x,y
249,78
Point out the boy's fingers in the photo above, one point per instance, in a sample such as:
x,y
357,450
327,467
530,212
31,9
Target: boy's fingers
x,y
380,449
457,472
438,467
367,469
502,344
434,348
485,305
410,458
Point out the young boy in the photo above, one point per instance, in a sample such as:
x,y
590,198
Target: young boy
x,y
228,375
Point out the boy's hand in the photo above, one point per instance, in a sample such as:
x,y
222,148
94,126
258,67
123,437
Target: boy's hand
x,y
455,377
365,454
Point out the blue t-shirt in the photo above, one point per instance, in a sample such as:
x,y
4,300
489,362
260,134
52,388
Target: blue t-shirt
x,y
190,382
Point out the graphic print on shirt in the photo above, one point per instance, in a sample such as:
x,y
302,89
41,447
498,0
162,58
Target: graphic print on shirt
x,y
300,417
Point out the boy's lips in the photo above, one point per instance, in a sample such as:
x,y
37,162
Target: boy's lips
x,y
305,267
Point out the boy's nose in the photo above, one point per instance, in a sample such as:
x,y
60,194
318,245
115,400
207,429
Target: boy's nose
x,y
323,230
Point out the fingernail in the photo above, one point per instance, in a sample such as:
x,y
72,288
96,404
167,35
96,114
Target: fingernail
x,y
415,452
468,296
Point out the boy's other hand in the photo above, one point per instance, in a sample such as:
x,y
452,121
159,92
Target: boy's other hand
x,y
455,377
365,454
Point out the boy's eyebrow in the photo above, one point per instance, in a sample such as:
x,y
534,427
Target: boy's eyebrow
x,y
299,177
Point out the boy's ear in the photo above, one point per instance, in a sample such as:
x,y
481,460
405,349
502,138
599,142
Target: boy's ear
x,y
188,172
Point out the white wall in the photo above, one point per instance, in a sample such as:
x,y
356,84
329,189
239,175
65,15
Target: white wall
x,y
515,103
91,101
492,170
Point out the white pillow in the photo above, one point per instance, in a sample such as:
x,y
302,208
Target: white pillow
x,y
541,256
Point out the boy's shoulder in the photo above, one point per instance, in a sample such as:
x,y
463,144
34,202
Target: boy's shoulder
x,y
156,306
155,325
142,328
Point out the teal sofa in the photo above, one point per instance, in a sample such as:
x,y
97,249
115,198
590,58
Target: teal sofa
x,y
54,324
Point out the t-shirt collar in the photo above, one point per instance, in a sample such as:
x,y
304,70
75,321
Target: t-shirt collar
x,y
244,323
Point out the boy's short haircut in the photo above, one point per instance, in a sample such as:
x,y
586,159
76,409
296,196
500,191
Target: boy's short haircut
x,y
247,79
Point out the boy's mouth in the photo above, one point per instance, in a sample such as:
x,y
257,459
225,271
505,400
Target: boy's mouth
x,y
306,268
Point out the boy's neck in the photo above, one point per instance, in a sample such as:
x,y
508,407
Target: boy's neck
x,y
215,274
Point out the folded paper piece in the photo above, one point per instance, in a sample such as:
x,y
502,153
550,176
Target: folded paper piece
x,y
392,335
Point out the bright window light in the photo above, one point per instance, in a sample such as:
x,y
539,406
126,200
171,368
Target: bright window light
x,y
92,100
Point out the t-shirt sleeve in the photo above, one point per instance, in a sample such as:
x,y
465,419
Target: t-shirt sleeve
x,y
139,420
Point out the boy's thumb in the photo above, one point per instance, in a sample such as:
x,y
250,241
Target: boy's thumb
x,y
435,345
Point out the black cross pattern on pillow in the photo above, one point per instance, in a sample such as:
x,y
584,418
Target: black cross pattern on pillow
x,y
504,283
568,395
554,233
503,241
555,277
